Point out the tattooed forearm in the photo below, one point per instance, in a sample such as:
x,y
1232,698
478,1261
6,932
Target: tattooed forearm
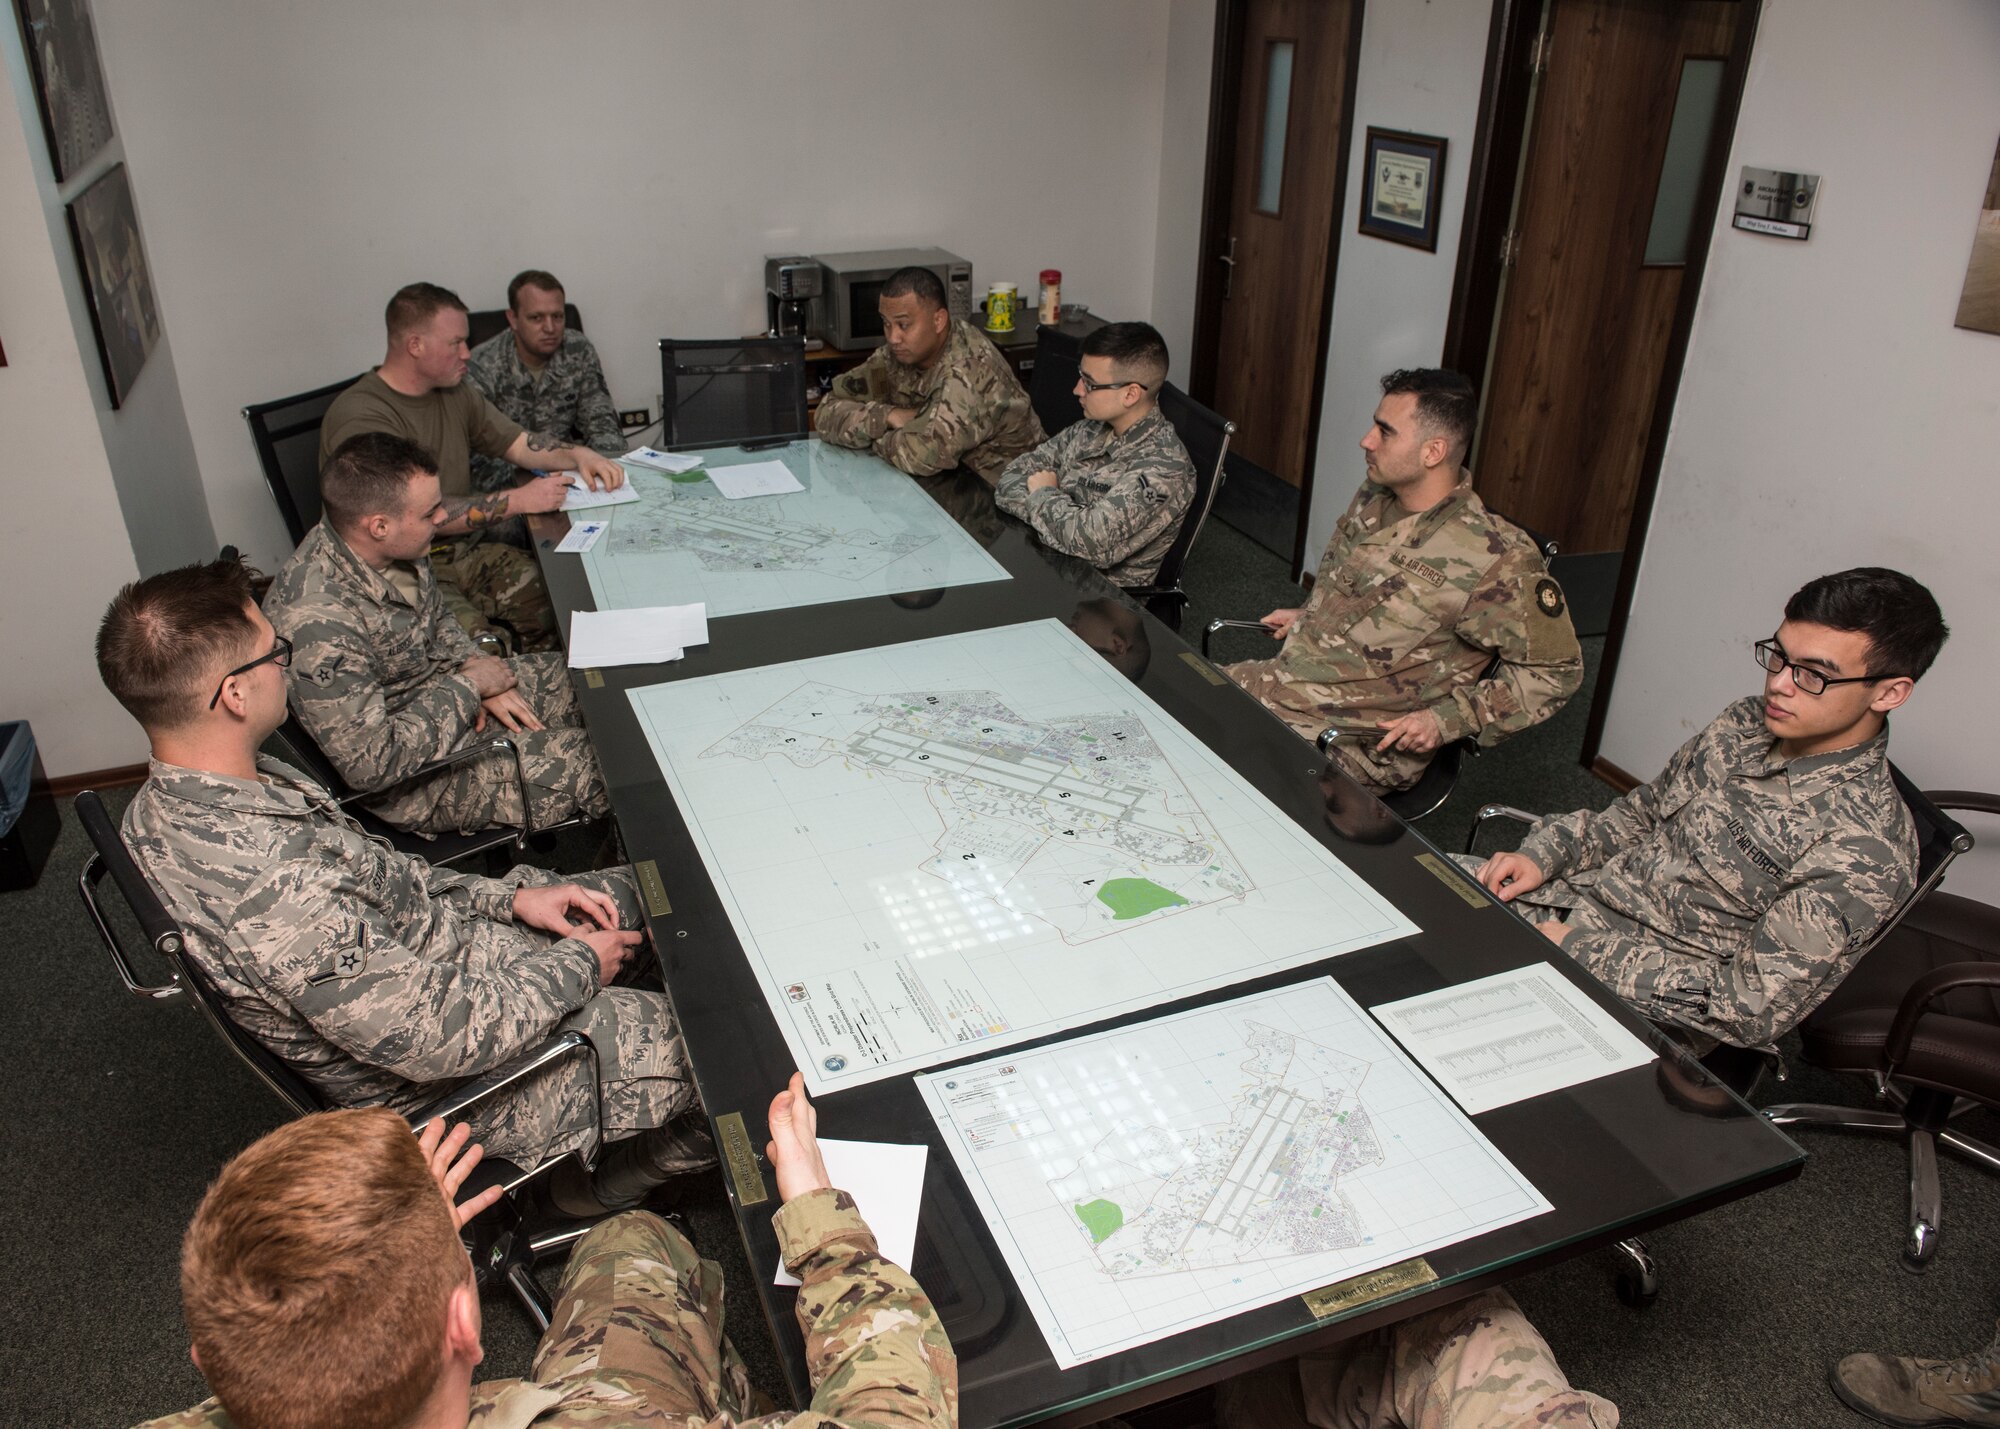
x,y
543,442
480,510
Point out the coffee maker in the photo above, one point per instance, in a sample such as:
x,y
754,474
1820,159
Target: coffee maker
x,y
790,285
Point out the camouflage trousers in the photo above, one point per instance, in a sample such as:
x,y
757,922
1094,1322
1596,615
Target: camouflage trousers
x,y
637,1333
563,776
642,1079
495,591
1478,1364
1309,708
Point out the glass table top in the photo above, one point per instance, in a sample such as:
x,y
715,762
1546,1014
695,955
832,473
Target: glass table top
x,y
1613,1157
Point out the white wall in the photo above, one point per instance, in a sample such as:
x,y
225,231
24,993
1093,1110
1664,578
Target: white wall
x,y
1183,160
1830,415
1421,66
69,550
303,161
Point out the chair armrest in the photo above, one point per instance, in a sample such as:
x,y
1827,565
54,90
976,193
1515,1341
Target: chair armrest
x,y
1220,624
1971,799
1495,811
1922,993
544,1054
460,756
167,941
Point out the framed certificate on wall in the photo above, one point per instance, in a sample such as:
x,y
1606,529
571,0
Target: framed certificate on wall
x,y
1399,199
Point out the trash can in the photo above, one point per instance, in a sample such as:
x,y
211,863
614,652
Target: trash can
x,y
29,821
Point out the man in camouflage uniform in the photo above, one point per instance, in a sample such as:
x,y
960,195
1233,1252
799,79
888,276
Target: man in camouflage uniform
x,y
1110,489
1478,1364
544,375
936,394
637,1335
385,681
1730,895
1421,589
378,978
493,589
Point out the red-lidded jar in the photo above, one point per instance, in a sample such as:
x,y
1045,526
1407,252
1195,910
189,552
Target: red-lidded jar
x,y
1050,312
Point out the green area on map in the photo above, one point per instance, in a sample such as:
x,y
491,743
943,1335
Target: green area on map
x,y
1100,1218
1136,897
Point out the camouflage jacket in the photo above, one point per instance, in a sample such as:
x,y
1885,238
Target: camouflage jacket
x,y
374,679
876,1351
375,975
567,399
1407,610
971,409
1118,500
1733,893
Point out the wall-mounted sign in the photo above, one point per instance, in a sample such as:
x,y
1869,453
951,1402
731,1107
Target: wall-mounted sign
x,y
1774,202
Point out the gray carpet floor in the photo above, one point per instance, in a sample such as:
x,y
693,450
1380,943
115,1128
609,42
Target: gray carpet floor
x,y
118,1111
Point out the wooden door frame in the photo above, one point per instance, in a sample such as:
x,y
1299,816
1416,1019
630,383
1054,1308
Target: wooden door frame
x,y
1496,158
1218,184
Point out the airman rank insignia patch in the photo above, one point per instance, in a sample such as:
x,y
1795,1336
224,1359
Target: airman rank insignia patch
x,y
1549,596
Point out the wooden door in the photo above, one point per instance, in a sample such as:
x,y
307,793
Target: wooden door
x,y
1581,341
1277,247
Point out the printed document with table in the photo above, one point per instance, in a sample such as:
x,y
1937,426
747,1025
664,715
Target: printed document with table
x,y
981,839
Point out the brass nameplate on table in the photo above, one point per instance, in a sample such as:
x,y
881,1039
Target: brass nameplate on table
x,y
651,890
594,679
1451,878
740,1157
1345,1295
1202,668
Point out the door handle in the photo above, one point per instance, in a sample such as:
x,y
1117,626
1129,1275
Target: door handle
x,y
1229,270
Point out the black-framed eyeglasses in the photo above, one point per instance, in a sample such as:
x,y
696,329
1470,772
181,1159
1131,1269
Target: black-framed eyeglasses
x,y
279,654
1090,387
1772,658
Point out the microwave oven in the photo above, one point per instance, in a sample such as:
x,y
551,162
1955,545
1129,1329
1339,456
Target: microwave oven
x,y
844,313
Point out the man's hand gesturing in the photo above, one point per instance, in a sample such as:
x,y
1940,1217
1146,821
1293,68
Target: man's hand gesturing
x,y
794,1144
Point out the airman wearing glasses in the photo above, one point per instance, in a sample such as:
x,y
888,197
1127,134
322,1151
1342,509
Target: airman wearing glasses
x,y
1730,895
1112,488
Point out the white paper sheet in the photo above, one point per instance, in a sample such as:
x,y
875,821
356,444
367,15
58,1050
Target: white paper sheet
x,y
754,478
887,1183
582,536
662,461
1512,1036
646,635
580,497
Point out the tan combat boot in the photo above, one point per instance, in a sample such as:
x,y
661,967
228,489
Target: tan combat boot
x,y
1897,1390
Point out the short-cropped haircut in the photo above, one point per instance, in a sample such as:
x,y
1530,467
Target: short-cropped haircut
x,y
1447,404
367,475
413,308
164,640
1900,617
921,282
1137,351
531,278
316,1273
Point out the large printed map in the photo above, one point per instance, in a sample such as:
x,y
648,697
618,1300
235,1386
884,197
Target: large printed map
x,y
1152,1179
859,528
980,839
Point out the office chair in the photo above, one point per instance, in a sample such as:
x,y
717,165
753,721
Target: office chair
x,y
286,433
1206,437
491,322
1920,1015
443,848
503,1249
728,391
1052,385
1940,839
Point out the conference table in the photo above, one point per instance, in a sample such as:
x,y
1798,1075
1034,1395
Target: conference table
x,y
1615,1156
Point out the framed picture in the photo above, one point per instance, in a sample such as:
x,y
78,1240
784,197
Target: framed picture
x,y
105,228
1979,300
1400,199
69,82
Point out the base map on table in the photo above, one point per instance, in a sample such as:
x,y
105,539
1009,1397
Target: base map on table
x,y
1145,1181
859,528
980,839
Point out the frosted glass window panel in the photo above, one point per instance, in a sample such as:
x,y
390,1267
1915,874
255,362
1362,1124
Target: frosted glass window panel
x,y
1687,154
1277,116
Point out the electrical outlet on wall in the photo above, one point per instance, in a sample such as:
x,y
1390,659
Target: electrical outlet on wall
x,y
634,417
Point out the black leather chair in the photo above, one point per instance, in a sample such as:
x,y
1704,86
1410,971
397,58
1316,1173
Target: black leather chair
x,y
286,433
1052,385
491,322
1920,1016
1206,436
307,756
727,391
503,1245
